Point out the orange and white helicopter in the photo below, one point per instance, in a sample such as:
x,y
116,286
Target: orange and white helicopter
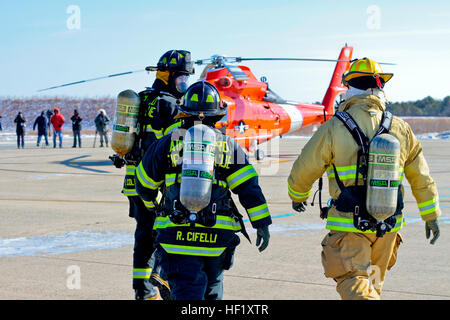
x,y
256,114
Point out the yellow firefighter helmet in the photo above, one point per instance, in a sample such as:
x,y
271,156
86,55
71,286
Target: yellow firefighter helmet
x,y
366,68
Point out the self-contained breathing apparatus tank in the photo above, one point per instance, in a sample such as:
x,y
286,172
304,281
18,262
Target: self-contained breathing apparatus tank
x,y
197,169
382,176
125,122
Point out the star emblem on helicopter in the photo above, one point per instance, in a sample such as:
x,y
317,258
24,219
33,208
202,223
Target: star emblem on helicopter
x,y
241,127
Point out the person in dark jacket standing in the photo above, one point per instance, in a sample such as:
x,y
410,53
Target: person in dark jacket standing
x,y
76,128
49,115
41,122
20,129
101,125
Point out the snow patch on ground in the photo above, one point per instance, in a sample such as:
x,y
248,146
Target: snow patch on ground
x,y
435,135
71,241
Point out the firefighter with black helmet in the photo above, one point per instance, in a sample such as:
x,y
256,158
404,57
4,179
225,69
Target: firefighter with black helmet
x,y
155,118
196,166
366,153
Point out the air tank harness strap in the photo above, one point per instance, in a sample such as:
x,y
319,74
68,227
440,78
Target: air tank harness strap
x,y
323,210
359,136
352,199
362,140
238,216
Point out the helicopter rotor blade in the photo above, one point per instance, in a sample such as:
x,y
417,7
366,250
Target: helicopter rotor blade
x,y
203,61
219,61
236,72
95,79
239,59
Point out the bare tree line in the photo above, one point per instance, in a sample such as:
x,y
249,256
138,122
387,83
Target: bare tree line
x,y
32,107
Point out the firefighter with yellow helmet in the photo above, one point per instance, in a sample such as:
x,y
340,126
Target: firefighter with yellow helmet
x,y
366,152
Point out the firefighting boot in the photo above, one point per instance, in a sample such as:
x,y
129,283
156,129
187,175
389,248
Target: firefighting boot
x,y
162,285
152,295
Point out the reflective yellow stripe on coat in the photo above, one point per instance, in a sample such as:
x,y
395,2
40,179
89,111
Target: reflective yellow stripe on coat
x,y
259,212
129,188
298,196
192,251
158,133
222,222
349,172
145,180
428,207
237,178
172,127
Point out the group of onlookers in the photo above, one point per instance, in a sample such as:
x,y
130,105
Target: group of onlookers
x,y
56,120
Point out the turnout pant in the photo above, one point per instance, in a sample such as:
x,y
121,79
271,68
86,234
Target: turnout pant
x,y
195,277
143,245
358,262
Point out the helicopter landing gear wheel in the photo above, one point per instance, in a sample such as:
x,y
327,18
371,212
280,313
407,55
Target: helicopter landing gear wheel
x,y
259,154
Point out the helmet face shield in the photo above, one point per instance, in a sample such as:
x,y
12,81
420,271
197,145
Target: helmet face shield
x,y
189,67
181,82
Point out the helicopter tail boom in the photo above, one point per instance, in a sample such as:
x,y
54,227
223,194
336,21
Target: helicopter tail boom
x,y
335,88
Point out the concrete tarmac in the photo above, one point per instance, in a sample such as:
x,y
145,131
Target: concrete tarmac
x,y
65,231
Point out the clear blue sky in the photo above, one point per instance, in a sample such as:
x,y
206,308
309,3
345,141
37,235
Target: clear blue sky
x,y
38,50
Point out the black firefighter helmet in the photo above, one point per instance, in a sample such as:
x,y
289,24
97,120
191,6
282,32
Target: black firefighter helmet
x,y
202,100
176,61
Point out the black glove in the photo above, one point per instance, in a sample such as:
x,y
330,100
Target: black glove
x,y
432,226
262,234
299,206
118,162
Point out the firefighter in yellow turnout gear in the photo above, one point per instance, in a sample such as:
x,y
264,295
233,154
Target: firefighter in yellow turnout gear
x,y
353,251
